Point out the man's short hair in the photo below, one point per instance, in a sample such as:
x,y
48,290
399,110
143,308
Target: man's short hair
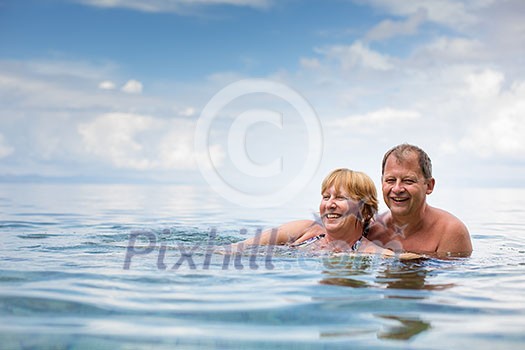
x,y
403,150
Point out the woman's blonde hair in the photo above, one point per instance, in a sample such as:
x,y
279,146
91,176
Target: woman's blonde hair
x,y
358,186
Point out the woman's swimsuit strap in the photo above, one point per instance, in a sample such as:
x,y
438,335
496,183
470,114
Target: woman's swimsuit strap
x,y
308,241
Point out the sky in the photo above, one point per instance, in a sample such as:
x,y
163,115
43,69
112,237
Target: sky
x,y
259,95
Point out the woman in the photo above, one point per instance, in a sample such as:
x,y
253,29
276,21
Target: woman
x,y
348,205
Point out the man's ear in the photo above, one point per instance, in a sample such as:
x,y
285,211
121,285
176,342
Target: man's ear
x,y
430,185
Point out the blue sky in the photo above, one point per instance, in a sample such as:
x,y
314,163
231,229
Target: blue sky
x,y
112,90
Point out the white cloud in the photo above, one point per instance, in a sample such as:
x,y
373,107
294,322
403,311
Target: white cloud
x,y
140,142
61,68
176,150
502,29
374,120
388,28
188,112
452,13
485,84
449,50
132,87
5,149
357,55
178,6
26,90
49,117
500,128
43,85
503,135
112,136
496,28
310,63
106,85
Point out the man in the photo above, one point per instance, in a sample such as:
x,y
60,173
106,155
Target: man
x,y
411,224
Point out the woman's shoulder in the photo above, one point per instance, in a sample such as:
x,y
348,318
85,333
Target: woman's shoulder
x,y
299,225
302,230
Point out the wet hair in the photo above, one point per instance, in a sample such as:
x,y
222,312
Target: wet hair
x,y
358,186
402,151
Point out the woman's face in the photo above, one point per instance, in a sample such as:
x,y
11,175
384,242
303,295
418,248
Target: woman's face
x,y
338,211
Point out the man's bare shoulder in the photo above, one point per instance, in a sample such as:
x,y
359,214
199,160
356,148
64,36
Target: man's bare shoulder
x,y
455,237
446,220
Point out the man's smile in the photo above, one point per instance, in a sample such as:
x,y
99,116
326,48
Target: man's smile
x,y
399,199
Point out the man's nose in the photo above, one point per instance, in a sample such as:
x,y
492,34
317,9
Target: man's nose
x,y
398,187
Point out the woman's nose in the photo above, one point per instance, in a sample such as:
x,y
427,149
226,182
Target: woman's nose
x,y
331,203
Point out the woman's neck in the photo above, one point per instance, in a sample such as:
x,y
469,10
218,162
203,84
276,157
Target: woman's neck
x,y
348,236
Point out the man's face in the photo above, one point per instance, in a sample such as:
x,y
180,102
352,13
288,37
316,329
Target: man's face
x,y
404,186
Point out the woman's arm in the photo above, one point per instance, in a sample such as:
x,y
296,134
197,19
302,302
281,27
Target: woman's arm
x,y
286,233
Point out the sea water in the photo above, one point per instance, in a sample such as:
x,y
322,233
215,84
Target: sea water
x,y
139,267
